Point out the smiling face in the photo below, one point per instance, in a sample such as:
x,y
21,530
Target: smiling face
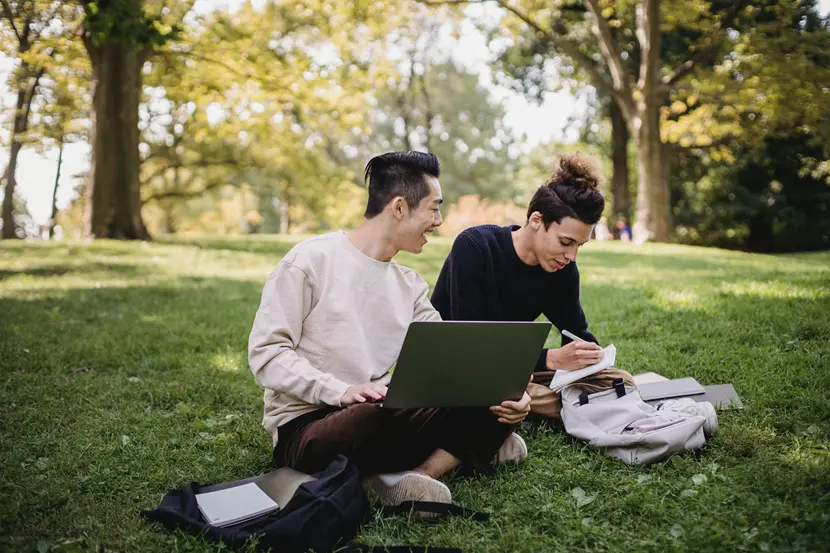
x,y
557,245
415,223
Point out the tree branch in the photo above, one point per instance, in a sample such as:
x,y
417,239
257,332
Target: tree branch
x,y
648,35
600,28
202,164
32,93
7,9
561,43
707,50
568,47
182,193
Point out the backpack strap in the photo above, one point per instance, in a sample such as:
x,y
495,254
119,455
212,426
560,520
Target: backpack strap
x,y
444,509
363,548
619,386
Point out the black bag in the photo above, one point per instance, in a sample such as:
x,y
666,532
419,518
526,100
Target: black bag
x,y
322,514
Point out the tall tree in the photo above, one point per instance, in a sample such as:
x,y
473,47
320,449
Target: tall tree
x,y
265,97
639,94
27,33
120,36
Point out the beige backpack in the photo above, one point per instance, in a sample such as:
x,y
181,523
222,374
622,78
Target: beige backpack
x,y
620,424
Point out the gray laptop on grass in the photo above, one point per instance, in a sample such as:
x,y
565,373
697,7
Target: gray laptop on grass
x,y
465,364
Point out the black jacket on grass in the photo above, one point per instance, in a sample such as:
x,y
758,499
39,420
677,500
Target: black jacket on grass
x,y
483,279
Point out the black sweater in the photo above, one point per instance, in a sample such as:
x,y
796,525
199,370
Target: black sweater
x,y
483,279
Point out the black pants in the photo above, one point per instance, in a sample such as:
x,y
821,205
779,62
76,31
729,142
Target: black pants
x,y
380,440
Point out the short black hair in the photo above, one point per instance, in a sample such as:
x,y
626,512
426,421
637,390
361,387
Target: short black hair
x,y
398,174
571,191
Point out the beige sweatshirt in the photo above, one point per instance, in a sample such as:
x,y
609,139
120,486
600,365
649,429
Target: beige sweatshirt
x,y
330,317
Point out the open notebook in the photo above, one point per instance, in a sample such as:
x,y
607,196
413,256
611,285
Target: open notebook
x,y
563,378
231,503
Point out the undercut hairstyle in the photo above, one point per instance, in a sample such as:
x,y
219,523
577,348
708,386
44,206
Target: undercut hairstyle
x,y
398,174
571,191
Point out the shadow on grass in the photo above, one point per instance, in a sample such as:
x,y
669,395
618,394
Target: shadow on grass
x,y
270,244
54,270
660,261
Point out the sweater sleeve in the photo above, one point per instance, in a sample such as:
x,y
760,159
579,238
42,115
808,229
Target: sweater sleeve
x,y
278,326
464,281
424,311
564,309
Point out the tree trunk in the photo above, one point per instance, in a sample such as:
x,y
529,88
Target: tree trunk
x,y
21,122
653,221
9,228
113,195
621,193
285,223
53,217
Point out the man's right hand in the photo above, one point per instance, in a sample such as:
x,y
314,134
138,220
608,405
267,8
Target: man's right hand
x,y
574,356
363,393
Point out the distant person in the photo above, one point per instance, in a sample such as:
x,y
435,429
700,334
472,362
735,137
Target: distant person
x,y
601,231
623,230
332,321
518,273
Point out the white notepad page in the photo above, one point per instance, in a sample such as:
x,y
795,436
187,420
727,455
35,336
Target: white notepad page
x,y
563,378
232,505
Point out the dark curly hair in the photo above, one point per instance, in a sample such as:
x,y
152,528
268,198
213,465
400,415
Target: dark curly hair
x,y
571,191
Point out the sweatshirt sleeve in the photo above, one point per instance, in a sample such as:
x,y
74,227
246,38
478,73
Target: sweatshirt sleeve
x,y
278,327
464,287
424,311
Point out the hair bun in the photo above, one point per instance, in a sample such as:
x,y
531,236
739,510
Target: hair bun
x,y
578,171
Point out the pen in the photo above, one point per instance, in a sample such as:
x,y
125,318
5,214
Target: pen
x,y
572,336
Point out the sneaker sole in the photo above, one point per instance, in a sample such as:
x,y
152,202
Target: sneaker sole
x,y
514,449
708,411
411,487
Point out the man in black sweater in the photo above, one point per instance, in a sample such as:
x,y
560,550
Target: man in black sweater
x,y
518,273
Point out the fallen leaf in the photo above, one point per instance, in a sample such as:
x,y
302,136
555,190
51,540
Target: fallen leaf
x,y
80,370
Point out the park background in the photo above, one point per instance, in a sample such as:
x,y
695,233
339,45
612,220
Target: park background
x,y
160,157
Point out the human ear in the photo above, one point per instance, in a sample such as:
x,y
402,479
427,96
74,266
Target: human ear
x,y
398,207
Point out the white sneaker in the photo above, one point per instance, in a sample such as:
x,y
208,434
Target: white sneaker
x,y
395,488
691,407
513,449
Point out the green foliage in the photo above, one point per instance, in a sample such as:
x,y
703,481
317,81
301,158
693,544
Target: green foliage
x,y
262,97
125,375
126,22
765,202
442,108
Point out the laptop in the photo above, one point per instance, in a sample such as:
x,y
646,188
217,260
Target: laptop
x,y
465,363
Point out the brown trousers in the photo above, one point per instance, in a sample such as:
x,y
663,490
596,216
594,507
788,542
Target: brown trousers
x,y
379,440
546,402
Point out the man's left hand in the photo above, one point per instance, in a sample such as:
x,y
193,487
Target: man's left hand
x,y
512,412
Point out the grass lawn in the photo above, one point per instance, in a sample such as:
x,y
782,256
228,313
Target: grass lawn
x,y
124,374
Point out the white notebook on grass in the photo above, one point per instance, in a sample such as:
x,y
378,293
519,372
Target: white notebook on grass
x,y
563,378
234,505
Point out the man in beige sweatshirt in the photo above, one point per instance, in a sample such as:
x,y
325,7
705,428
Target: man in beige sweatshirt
x,y
331,323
